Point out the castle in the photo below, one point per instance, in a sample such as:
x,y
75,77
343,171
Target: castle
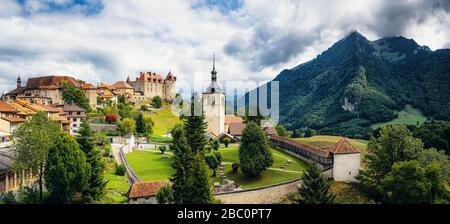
x,y
47,90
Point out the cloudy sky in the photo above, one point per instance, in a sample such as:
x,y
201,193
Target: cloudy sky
x,y
108,40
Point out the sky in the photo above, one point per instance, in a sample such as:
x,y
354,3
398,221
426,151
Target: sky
x,y
109,40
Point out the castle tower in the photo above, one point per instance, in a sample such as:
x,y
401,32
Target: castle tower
x,y
169,87
214,104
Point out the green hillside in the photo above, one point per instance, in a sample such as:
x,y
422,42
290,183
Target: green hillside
x,y
408,116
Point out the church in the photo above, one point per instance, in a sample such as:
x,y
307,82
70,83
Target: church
x,y
213,101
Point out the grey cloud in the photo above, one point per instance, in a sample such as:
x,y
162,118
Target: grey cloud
x,y
268,46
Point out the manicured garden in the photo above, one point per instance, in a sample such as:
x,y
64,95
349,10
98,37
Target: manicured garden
x,y
150,166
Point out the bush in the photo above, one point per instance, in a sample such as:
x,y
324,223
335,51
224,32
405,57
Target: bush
x,y
165,195
235,167
111,118
162,148
226,141
107,150
120,170
157,102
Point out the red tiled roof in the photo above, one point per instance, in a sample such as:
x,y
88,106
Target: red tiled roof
x,y
51,82
150,77
6,108
171,77
72,108
237,128
88,86
344,146
122,85
312,149
49,108
14,119
270,130
147,189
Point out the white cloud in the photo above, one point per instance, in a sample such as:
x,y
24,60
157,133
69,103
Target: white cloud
x,y
255,41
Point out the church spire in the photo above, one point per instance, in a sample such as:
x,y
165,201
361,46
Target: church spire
x,y
19,82
214,72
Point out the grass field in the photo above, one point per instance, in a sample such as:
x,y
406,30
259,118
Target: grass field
x,y
408,116
164,121
150,166
116,188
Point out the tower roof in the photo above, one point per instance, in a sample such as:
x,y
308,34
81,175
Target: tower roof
x,y
214,87
344,146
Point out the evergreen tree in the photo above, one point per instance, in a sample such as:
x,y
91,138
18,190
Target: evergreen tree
x,y
190,182
97,183
196,126
32,141
254,153
315,188
67,171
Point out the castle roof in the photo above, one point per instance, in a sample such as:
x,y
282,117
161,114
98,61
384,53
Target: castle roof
x,y
150,77
171,77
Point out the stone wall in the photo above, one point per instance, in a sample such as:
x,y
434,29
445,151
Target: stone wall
x,y
267,195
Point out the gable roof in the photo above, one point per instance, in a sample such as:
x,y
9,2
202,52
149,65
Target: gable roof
x,y
16,91
344,146
171,77
14,119
122,85
88,86
72,108
236,128
7,108
312,149
144,190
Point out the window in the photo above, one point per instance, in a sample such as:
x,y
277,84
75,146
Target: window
x,y
78,113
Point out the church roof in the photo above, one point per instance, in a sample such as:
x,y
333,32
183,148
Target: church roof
x,y
230,119
214,87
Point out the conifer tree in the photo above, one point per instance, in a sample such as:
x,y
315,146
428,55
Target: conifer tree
x,y
196,126
315,188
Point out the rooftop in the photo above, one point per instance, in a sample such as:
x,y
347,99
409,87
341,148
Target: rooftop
x,y
144,190
7,108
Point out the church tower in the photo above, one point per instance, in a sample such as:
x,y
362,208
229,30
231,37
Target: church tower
x,y
213,100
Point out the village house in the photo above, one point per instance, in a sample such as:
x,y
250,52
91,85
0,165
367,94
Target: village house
x,y
91,93
145,193
75,116
123,88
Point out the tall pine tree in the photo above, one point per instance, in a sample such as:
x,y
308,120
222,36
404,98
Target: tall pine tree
x,y
195,126
315,188
96,182
190,182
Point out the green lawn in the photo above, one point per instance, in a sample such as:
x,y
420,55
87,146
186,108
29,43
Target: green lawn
x,y
408,116
116,188
150,166
164,122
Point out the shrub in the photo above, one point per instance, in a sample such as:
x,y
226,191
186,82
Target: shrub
x,y
235,167
120,170
226,141
111,118
157,102
162,148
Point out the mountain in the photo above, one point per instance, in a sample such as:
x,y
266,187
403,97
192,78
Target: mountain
x,y
358,82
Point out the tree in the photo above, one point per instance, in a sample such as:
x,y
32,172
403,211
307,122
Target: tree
x,y
31,145
254,153
162,148
282,131
67,171
144,125
407,183
429,156
435,134
215,144
165,195
196,126
190,182
395,144
157,102
125,110
96,183
226,141
127,126
254,118
111,118
310,132
212,162
235,167
315,188
70,94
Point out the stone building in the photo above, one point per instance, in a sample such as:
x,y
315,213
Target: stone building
x,y
75,115
152,84
42,90
91,93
